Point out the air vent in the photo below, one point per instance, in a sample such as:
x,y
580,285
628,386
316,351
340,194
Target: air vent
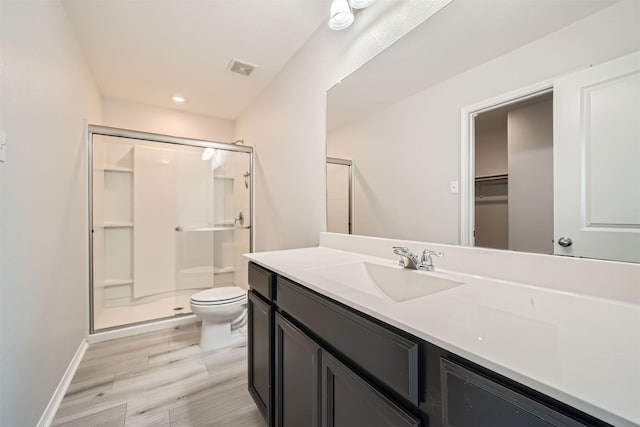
x,y
242,68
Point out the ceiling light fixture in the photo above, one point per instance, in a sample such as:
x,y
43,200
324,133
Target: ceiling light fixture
x,y
361,4
178,98
341,16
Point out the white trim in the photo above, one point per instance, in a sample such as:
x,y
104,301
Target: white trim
x,y
141,329
467,150
50,411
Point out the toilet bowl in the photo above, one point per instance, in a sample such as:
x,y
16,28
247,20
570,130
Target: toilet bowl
x,y
222,310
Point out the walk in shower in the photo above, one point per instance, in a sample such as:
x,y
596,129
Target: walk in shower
x,y
168,217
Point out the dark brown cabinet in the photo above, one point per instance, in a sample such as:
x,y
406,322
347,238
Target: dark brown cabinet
x,y
315,362
297,369
348,400
260,348
471,399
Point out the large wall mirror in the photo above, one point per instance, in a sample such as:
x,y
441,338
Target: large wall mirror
x,y
503,124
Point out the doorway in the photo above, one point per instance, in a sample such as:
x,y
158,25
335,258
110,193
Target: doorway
x,y
512,178
339,195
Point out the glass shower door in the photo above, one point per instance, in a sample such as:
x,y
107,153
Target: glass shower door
x,y
213,218
168,220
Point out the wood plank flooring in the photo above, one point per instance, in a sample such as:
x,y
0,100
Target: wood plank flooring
x,y
160,379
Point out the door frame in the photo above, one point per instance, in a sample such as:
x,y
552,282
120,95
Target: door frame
x,y
467,150
349,164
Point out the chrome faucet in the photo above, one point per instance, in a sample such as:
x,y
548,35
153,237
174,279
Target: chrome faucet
x,y
410,260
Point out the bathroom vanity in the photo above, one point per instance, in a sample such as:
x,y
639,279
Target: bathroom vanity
x,y
331,344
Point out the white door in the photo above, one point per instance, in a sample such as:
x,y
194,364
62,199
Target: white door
x,y
597,161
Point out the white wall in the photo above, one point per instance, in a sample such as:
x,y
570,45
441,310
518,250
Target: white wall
x,y
417,140
47,92
491,151
530,130
165,121
286,124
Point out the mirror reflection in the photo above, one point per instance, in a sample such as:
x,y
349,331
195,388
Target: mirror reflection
x,y
518,131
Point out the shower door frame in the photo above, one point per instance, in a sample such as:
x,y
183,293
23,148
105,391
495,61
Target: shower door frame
x,y
153,137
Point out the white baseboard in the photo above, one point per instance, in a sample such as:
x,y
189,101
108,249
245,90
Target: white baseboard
x,y
50,411
141,329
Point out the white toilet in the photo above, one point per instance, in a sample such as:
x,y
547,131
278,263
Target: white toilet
x,y
223,312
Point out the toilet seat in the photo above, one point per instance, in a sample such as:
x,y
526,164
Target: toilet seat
x,y
219,296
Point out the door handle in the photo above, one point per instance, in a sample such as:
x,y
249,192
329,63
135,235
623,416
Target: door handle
x,y
565,242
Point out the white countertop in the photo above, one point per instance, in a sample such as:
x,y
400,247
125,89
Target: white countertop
x,y
581,350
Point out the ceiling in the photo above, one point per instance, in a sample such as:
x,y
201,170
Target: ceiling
x,y
148,51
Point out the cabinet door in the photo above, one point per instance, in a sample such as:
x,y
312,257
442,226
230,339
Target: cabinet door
x,y
349,401
260,347
472,399
297,372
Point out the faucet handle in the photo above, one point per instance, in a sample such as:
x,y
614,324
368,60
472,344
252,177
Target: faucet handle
x,y
427,254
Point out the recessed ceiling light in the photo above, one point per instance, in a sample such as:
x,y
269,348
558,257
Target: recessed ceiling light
x,y
178,99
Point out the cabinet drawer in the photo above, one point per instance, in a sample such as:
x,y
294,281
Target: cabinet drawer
x,y
383,354
262,281
469,398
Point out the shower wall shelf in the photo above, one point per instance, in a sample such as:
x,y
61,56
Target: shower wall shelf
x,y
207,270
116,282
116,169
223,228
116,225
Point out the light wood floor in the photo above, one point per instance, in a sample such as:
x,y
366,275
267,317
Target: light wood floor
x,y
160,379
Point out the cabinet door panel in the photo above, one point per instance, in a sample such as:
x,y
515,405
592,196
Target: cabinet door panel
x,y
297,372
472,399
260,347
349,401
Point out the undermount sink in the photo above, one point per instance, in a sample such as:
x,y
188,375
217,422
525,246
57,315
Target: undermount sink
x,y
397,283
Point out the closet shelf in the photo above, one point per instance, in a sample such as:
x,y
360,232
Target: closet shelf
x,y
491,199
498,177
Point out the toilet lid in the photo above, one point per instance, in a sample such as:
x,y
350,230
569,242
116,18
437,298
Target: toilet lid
x,y
221,294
